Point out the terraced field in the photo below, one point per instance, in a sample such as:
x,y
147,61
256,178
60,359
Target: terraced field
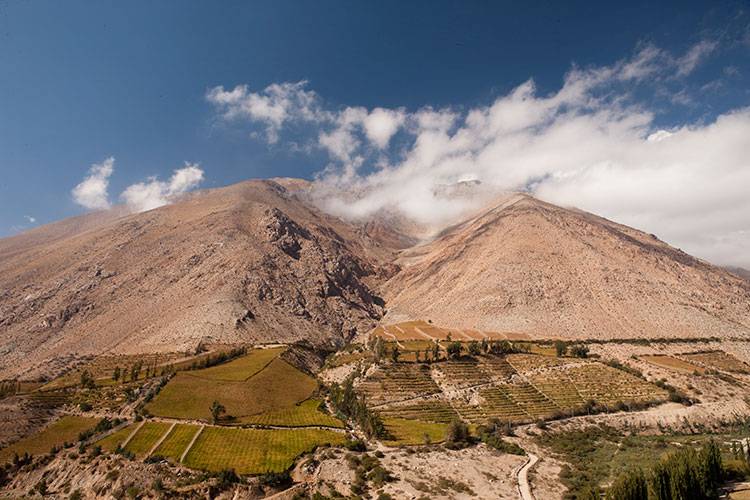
x,y
672,363
175,443
305,414
404,432
437,411
247,451
258,383
421,330
255,451
514,388
146,437
607,385
397,382
64,430
719,360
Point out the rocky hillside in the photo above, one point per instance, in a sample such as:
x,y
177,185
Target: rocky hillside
x,y
246,263
528,266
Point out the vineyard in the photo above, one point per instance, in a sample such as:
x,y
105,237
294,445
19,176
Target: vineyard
x,y
257,388
60,432
422,330
247,451
513,388
672,363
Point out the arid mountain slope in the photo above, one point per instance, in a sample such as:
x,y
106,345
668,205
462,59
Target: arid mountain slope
x,y
529,266
249,262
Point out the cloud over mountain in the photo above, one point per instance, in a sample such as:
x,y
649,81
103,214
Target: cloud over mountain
x,y
595,143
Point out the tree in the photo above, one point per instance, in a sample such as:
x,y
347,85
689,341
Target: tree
x,y
485,346
629,486
579,351
436,351
87,381
395,353
474,348
217,410
378,349
561,348
416,355
454,349
457,433
116,374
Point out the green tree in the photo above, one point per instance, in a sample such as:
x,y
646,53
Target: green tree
x,y
454,349
395,354
436,351
474,348
116,374
457,433
561,348
630,485
87,381
217,410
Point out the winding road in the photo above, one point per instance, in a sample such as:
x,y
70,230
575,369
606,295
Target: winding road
x,y
524,488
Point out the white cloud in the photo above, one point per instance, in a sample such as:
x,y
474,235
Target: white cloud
x,y
92,193
274,106
693,57
154,193
381,124
590,144
30,219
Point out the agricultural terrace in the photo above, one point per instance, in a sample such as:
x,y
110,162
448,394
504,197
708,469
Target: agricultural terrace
x,y
60,432
258,388
403,432
247,451
672,363
514,388
424,331
718,360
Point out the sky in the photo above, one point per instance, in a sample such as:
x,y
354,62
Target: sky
x,y
634,111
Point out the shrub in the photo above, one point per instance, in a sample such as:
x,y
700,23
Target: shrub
x,y
457,434
629,486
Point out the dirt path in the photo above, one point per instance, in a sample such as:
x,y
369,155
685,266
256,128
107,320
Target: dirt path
x,y
522,475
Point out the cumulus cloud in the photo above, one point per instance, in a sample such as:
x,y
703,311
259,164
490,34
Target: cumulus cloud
x,y
274,106
92,193
30,219
154,193
591,144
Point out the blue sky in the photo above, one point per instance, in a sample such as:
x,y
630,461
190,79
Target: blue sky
x,y
85,81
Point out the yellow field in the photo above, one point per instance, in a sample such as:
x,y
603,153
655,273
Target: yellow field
x,y
412,432
111,442
176,442
278,386
241,368
672,363
255,451
146,437
59,432
304,414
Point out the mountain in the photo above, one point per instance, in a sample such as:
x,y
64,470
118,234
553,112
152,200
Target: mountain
x,y
739,271
246,263
258,262
527,266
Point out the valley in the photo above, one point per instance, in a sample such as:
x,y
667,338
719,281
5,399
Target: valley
x,y
271,349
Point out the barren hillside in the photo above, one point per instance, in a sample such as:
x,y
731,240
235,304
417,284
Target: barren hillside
x,y
249,262
529,266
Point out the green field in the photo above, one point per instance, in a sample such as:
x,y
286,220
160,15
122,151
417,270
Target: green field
x,y
278,386
61,431
412,432
255,451
173,446
111,442
304,414
242,368
146,437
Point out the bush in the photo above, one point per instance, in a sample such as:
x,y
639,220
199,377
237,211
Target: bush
x,y
629,486
275,479
457,434
579,351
